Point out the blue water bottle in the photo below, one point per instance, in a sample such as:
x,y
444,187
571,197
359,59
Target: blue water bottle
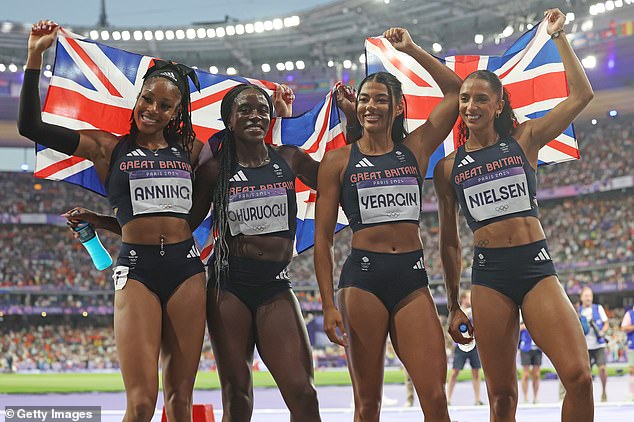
x,y
465,333
88,237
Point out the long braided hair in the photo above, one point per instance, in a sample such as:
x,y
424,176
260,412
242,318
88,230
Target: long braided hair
x,y
506,121
395,92
228,163
180,128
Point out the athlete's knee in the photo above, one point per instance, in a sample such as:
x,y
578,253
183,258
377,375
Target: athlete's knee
x,y
503,401
577,381
367,409
434,402
179,399
140,408
302,399
237,396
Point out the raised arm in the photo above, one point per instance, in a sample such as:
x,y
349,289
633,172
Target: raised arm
x,y
94,145
328,191
450,247
534,134
426,138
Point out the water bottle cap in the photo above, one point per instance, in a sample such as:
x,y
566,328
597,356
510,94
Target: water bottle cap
x,y
463,328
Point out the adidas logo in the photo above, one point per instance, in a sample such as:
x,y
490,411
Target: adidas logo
x,y
283,275
239,177
420,265
136,153
169,75
542,256
193,252
466,161
364,163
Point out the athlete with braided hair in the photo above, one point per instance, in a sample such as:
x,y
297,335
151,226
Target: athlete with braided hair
x,y
249,301
159,280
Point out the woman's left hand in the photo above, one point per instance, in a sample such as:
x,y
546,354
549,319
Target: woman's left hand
x,y
556,20
346,100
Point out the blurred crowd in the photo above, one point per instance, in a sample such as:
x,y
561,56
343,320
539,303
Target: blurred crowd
x,y
90,346
57,347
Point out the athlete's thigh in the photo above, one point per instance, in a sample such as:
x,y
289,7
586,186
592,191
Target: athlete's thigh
x,y
366,321
418,339
554,325
183,332
230,325
137,331
282,340
496,325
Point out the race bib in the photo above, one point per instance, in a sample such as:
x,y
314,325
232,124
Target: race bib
x,y
156,191
258,212
388,200
498,193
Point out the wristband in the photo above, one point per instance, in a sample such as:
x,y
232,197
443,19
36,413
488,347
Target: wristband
x,y
556,34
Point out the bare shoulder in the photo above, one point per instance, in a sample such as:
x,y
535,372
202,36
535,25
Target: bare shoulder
x,y
445,166
342,153
287,151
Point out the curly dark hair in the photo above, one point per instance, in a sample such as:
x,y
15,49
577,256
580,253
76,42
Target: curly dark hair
x,y
506,121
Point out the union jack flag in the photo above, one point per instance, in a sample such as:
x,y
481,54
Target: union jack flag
x,y
531,70
95,86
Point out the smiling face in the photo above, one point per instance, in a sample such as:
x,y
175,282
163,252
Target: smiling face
x,y
250,116
373,107
158,102
479,103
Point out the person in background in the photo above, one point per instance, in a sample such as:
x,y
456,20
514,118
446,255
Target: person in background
x,y
627,325
593,315
531,359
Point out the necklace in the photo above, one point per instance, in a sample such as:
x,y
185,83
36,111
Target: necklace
x,y
263,162
155,150
467,148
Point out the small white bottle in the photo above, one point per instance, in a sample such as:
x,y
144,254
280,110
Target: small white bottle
x,y
465,333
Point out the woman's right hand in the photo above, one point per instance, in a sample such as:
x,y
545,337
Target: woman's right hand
x,y
332,321
78,215
42,36
346,101
457,318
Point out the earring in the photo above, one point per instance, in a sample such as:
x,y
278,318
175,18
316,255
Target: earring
x,y
497,115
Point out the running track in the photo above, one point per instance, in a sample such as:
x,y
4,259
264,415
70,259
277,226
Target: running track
x,y
335,403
